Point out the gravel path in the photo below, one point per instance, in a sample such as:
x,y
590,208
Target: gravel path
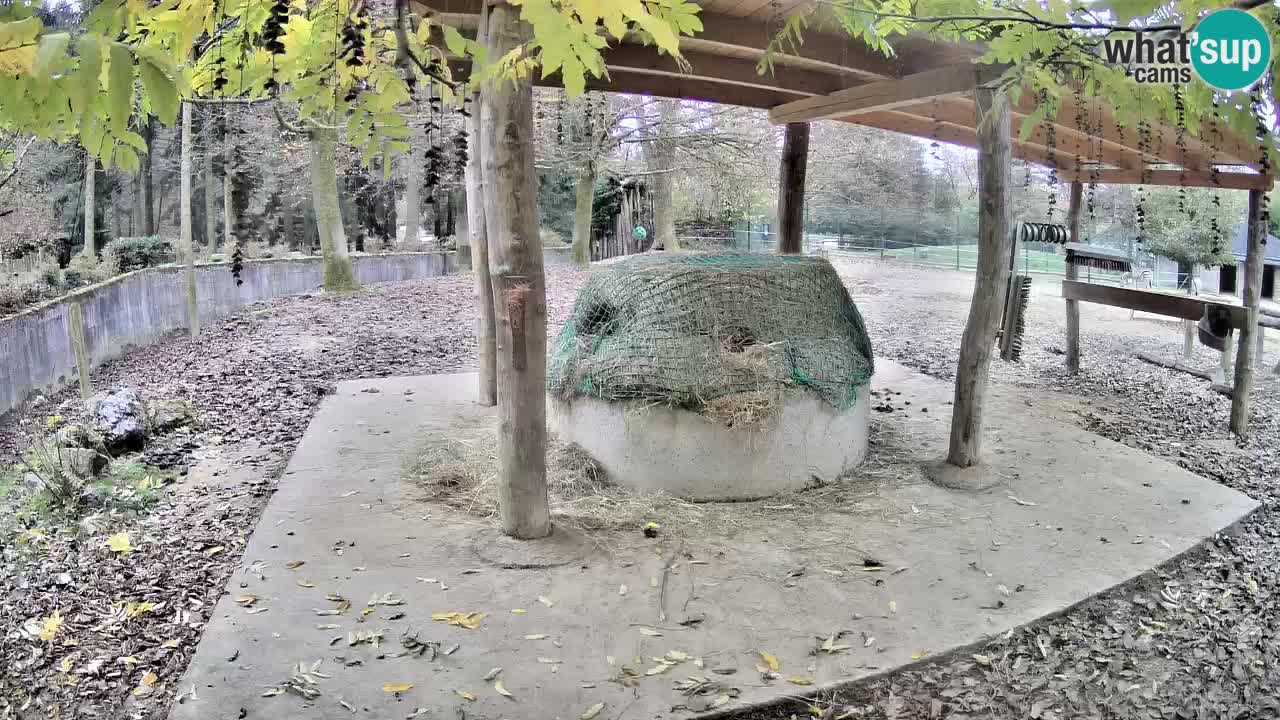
x,y
1195,639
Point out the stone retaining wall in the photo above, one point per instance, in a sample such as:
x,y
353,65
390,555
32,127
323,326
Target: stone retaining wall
x,y
140,308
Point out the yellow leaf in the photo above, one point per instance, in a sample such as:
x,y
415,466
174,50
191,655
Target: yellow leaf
x,y
592,711
134,609
501,690
658,669
519,611
539,636
119,543
470,620
304,583
396,687
770,661
149,679
465,695
799,681
66,664
546,600
650,632
171,644
50,626
128,660
31,535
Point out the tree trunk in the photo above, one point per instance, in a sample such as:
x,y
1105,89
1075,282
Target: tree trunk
x,y
338,271
148,187
90,198
412,199
992,278
1254,259
584,197
511,212
791,172
186,249
210,206
661,154
228,189
1073,306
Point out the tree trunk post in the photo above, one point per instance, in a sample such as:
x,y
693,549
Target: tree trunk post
x,y
994,147
791,174
186,249
519,291
1243,384
75,328
478,242
335,257
148,185
90,200
1073,307
584,197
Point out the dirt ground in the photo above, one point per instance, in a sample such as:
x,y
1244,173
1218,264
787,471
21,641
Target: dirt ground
x,y
1196,639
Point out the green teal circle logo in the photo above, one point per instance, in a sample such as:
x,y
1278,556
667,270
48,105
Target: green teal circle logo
x,y
1230,50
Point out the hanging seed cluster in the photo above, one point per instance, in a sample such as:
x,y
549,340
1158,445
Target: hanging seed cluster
x,y
1144,146
935,146
272,32
1216,182
1181,109
1051,141
1262,134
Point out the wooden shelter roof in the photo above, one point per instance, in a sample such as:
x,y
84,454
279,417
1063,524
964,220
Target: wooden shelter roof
x,y
925,90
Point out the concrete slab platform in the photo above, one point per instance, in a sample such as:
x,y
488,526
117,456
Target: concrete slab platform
x,y
1072,514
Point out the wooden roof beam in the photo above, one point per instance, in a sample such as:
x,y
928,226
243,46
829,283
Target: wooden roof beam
x,y
962,111
887,94
1226,180
717,68
953,134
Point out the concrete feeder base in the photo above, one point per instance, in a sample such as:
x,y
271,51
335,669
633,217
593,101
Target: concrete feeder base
x,y
653,447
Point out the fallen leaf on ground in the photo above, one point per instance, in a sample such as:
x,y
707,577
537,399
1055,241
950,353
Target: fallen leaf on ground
x,y
304,583
465,695
295,564
538,636
799,681
519,611
770,661
650,632
50,626
546,600
592,711
893,606
982,660
468,620
501,690
213,551
119,543
397,687
492,674
622,590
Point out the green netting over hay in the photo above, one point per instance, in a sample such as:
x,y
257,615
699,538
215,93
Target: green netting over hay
x,y
688,329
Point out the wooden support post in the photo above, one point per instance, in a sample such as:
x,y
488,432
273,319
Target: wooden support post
x,y
1252,298
515,266
995,146
791,172
90,200
1073,307
478,241
75,332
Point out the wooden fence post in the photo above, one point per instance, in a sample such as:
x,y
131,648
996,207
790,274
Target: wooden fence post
x,y
1252,298
1073,306
75,333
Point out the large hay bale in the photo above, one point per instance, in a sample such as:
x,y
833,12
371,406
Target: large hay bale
x,y
686,330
